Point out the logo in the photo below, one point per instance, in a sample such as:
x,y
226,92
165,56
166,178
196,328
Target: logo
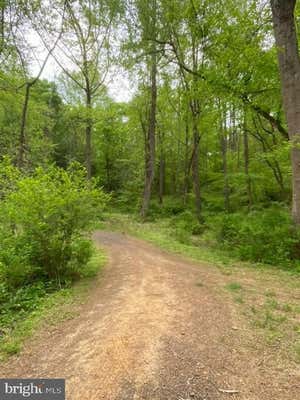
x,y
36,389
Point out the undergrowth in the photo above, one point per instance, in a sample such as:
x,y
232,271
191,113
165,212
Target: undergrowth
x,y
43,303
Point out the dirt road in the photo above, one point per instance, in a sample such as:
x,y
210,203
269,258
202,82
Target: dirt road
x,y
155,327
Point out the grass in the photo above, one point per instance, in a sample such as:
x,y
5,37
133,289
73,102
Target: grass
x,y
54,308
277,321
233,286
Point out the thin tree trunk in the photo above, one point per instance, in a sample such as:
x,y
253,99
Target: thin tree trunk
x,y
161,179
150,140
223,143
186,162
195,109
289,66
22,136
88,136
161,170
246,166
195,162
224,147
279,177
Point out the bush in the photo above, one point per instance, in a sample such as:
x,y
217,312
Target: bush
x,y
169,208
262,236
184,225
44,220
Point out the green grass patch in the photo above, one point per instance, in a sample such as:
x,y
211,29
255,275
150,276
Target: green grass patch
x,y
276,322
51,309
270,320
233,286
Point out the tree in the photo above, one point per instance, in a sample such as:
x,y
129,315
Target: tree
x,y
150,137
84,54
147,20
28,84
26,53
289,66
185,42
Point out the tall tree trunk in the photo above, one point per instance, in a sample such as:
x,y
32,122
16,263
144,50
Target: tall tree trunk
x,y
223,144
88,136
161,180
22,136
195,110
279,177
289,66
186,162
195,158
246,165
150,139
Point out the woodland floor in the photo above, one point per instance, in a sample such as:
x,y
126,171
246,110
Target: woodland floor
x,y
159,327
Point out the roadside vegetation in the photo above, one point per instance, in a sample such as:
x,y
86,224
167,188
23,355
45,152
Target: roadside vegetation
x,y
45,220
42,306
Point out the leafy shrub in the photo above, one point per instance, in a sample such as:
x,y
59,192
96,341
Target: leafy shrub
x,y
127,201
184,225
172,207
43,225
169,208
262,236
15,305
81,250
9,176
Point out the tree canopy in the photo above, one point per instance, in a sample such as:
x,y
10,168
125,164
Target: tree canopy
x,y
206,130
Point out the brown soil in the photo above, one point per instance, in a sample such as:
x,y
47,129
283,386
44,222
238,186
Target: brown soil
x,y
156,327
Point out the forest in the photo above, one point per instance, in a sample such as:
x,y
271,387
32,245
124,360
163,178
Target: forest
x,y
179,115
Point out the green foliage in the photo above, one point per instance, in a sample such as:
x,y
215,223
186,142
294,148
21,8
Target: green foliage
x,y
184,225
233,286
20,302
43,223
45,219
9,176
262,236
170,207
24,309
44,109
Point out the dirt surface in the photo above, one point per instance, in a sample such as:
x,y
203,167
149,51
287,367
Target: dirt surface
x,y
156,327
